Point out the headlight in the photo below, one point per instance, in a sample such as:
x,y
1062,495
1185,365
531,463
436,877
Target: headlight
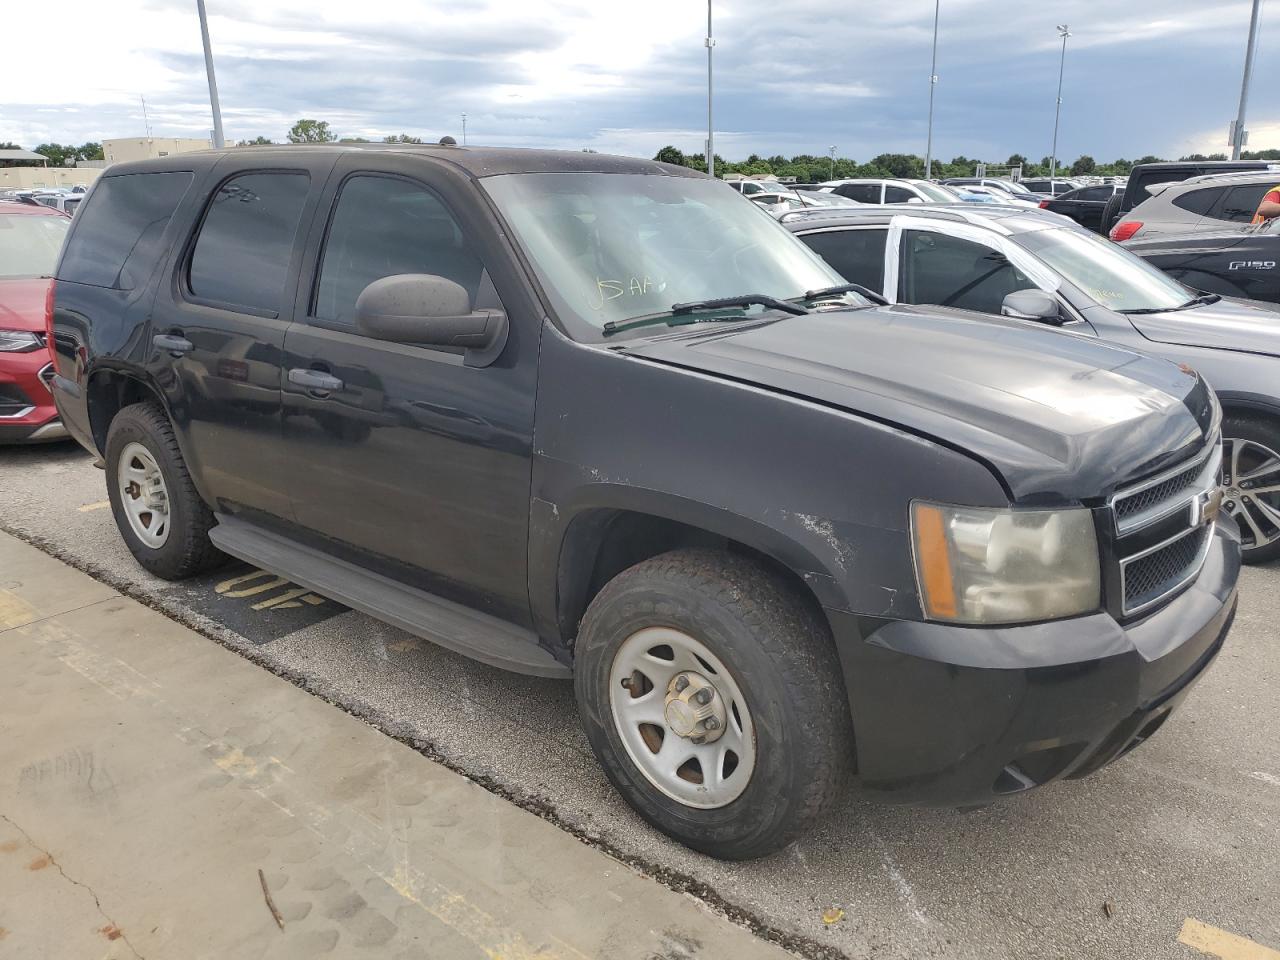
x,y
18,341
990,566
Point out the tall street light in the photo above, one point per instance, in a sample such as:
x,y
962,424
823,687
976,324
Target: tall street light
x,y
1063,32
833,164
933,82
1237,131
711,143
213,83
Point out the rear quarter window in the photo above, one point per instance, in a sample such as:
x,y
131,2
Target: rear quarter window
x,y
1199,202
116,240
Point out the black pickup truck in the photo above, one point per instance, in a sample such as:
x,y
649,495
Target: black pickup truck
x,y
578,415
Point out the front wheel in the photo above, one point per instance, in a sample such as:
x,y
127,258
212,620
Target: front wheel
x,y
714,701
1251,476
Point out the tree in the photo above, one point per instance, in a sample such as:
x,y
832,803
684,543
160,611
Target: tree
x,y
899,164
355,140
9,145
258,141
1083,165
57,153
401,138
670,154
90,151
1017,160
311,131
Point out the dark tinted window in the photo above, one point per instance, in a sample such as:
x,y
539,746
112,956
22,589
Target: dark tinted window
x,y
1241,203
382,227
894,194
857,255
1199,202
956,273
1090,193
861,192
116,242
245,243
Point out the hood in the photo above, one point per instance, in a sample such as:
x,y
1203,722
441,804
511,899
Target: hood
x,y
1058,416
22,304
1243,325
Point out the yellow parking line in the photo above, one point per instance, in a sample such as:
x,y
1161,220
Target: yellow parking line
x,y
1218,943
94,506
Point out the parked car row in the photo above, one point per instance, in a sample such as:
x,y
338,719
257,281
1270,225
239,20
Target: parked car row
x,y
930,494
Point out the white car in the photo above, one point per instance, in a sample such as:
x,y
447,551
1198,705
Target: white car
x,y
890,190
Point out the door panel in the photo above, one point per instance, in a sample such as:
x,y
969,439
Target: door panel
x,y
407,456
221,337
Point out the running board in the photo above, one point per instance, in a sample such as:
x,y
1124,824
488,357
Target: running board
x,y
451,625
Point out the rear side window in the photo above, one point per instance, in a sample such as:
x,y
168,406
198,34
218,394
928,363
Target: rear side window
x,y
242,253
857,255
860,192
1241,203
1199,202
116,242
894,194
1091,193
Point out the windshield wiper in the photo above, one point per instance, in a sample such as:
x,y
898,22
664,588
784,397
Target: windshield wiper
x,y
1193,302
846,288
679,312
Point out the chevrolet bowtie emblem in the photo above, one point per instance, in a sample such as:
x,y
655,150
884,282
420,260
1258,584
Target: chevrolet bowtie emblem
x,y
1206,507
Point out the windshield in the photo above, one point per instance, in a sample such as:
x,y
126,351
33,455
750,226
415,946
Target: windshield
x,y
936,193
1110,274
612,247
29,245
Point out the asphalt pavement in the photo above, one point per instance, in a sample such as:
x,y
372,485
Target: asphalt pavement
x,y
1176,844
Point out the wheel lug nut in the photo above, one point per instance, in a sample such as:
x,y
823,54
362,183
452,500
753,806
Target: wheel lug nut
x,y
711,723
699,741
704,696
681,683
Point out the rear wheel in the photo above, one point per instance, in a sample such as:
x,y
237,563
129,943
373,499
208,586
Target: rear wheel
x,y
162,519
1251,476
714,701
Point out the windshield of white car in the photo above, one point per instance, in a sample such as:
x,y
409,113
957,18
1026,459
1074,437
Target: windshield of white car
x,y
936,193
1105,271
608,248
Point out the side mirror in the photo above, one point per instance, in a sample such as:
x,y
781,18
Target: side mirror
x,y
1032,305
432,311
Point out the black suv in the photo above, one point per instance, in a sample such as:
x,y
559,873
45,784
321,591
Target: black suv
x,y
577,415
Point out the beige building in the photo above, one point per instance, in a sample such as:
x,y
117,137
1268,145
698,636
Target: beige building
x,y
27,178
147,148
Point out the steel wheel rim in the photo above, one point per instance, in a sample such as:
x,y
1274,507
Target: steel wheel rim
x,y
1251,476
724,767
143,495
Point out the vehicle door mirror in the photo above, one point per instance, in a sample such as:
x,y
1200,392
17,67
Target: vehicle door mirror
x,y
1032,305
432,311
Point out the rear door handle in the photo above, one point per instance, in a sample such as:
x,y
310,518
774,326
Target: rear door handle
x,y
317,380
173,344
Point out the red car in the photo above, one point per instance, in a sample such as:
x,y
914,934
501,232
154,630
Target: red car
x,y
30,237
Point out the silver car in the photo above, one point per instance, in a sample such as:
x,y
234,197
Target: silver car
x,y
1215,202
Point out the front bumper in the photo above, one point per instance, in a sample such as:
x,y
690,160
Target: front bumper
x,y
27,411
959,716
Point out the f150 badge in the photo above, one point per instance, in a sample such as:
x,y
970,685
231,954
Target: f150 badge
x,y
1252,265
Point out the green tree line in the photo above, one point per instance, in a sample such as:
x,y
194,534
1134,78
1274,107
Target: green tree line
x,y
807,168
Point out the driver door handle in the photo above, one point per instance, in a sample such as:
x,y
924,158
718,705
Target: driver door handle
x,y
317,380
172,343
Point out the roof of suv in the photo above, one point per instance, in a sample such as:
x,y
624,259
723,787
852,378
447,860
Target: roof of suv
x,y
1002,218
1225,178
477,161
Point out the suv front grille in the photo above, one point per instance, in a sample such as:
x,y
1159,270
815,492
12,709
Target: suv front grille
x,y
1164,527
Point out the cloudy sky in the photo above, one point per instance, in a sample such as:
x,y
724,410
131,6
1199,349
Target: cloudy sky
x,y
1143,76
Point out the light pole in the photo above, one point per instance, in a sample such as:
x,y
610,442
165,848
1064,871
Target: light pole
x,y
933,82
213,83
832,175
1063,32
464,129
1237,131
711,143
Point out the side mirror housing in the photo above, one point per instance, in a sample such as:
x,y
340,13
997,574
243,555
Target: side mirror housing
x,y
431,311
1032,305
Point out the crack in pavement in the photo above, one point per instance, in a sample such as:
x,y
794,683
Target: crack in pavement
x,y
96,902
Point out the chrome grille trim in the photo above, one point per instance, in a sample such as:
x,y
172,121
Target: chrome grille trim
x,y
1202,474
1189,487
